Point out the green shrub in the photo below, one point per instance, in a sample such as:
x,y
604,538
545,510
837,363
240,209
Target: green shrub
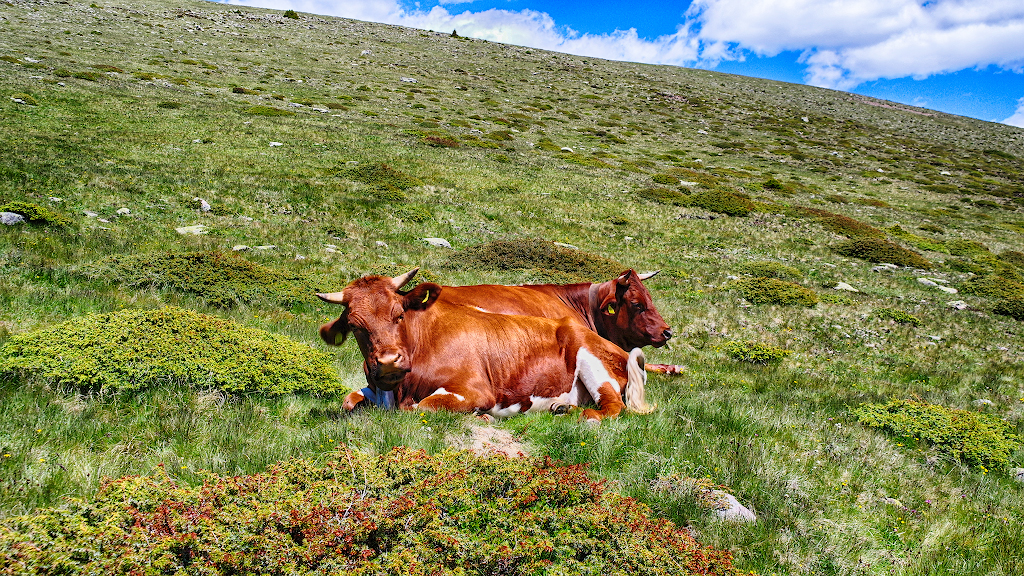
x,y
770,270
547,144
898,316
1012,307
403,512
665,196
722,202
961,247
775,291
240,90
773,184
835,298
215,278
878,250
843,225
754,352
133,349
993,286
972,438
261,110
934,229
665,179
25,98
382,176
291,14
537,255
169,105
441,141
919,242
1013,257
501,136
38,215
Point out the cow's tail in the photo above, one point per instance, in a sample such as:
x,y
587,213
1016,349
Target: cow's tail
x,y
636,382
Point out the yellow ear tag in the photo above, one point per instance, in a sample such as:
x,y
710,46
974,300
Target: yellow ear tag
x,y
339,338
426,297
611,309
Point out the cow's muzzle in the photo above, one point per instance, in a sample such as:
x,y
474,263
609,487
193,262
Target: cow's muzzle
x,y
388,371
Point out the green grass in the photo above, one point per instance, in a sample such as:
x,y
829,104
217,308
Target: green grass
x,y
782,437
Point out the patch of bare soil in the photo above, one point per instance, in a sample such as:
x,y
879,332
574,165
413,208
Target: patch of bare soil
x,y
486,439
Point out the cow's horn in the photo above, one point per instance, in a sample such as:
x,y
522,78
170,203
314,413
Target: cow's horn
x,y
404,279
647,275
332,297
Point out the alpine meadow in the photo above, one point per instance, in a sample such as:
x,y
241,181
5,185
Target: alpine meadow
x,y
843,276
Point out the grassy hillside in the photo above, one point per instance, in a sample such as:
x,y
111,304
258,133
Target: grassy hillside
x,y
331,147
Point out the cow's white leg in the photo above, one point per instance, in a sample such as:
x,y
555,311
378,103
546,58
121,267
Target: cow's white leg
x,y
603,387
442,399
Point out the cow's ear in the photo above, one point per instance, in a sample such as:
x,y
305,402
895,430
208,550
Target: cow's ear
x,y
334,333
422,296
607,299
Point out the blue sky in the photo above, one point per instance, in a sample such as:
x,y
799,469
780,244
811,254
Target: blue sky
x,y
959,56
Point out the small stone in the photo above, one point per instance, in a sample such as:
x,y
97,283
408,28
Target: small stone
x,y
381,244
195,230
411,80
926,282
945,173
203,204
89,214
567,149
272,144
880,170
731,509
702,131
948,289
245,218
11,218
439,242
239,248
266,247
300,257
732,277
957,305
685,183
983,402
844,286
366,53
56,200
564,245
104,220
935,338
123,211
885,268
1017,474
893,502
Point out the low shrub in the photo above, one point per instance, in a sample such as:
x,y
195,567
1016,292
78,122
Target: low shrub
x,y
665,179
38,215
291,14
240,90
133,349
261,110
548,145
972,438
843,225
403,512
770,270
382,176
754,352
775,291
24,98
722,202
1013,257
961,247
835,298
1012,307
169,105
898,316
934,229
918,242
215,278
441,141
537,255
993,286
878,250
664,196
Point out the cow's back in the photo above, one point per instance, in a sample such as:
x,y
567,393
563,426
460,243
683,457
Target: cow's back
x,y
541,300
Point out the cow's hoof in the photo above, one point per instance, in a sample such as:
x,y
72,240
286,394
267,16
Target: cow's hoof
x,y
486,417
560,409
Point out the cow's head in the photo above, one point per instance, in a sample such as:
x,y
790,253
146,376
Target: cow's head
x,y
625,315
375,314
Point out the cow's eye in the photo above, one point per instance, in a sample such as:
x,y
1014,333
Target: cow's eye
x,y
639,306
399,318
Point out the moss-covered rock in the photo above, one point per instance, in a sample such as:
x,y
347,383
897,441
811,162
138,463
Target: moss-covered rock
x,y
132,349
879,250
970,437
775,291
770,270
722,202
539,256
216,278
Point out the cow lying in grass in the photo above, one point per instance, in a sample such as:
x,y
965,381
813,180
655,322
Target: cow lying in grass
x,y
434,355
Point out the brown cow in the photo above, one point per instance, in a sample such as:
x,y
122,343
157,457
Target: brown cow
x,y
435,355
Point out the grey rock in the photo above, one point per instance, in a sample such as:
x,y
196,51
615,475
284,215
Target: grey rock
x,y
927,282
123,211
381,244
203,204
564,245
10,218
567,149
55,199
885,268
731,509
266,247
410,80
732,277
90,214
300,257
239,248
957,305
685,183
893,502
439,242
273,144
948,289
195,230
845,287
1017,474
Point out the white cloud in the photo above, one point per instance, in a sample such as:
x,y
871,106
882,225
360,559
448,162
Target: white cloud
x,y
846,43
1018,117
